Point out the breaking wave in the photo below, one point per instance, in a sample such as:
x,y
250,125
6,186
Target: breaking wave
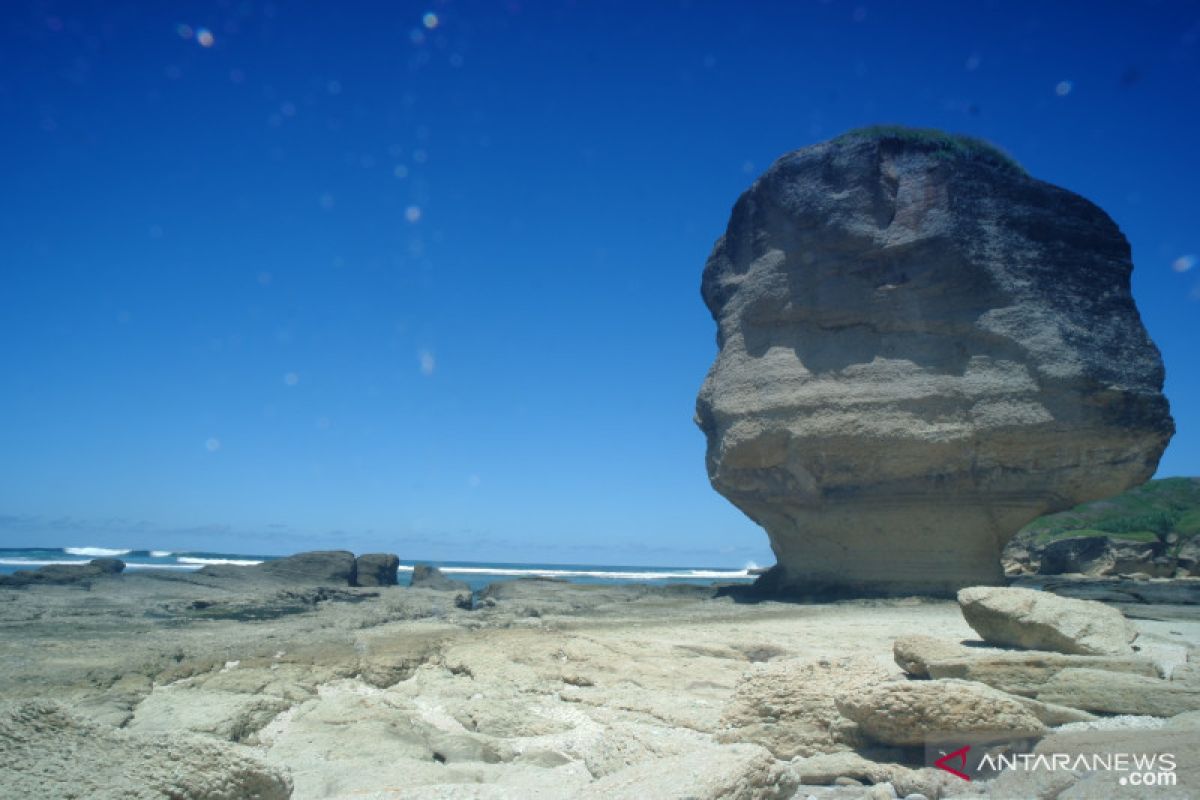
x,y
96,552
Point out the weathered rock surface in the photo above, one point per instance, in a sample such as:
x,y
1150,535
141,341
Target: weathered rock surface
x,y
231,716
1042,621
325,567
913,654
427,577
1180,591
791,709
376,569
1097,555
904,713
734,772
1111,784
825,768
922,348
1027,673
1022,672
64,574
313,568
1120,693
45,751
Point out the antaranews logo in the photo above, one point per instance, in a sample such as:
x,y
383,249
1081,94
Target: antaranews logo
x,y
975,757
958,756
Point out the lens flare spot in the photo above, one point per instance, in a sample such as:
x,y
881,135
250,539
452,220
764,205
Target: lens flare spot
x,y
291,379
212,444
184,31
412,213
1184,263
1063,88
430,20
427,361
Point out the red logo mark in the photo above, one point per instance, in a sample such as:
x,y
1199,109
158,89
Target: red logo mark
x,y
959,755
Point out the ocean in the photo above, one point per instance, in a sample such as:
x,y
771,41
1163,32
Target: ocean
x,y
476,574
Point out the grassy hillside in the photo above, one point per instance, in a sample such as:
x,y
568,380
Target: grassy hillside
x,y
1152,511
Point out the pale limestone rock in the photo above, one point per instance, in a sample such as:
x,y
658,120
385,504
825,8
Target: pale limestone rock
x,y
1042,621
1025,673
789,707
731,772
914,653
45,751
1184,746
905,713
1120,693
921,349
822,769
226,715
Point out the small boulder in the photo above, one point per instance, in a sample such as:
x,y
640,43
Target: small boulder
x,y
376,569
1041,621
906,713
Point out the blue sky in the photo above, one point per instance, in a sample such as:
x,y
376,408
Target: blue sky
x,y
290,275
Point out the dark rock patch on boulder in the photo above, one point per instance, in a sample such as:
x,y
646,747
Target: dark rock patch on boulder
x,y
376,569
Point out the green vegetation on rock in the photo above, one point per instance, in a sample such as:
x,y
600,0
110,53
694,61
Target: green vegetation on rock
x,y
940,143
1152,511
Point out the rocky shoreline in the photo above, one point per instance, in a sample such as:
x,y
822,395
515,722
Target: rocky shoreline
x,y
291,682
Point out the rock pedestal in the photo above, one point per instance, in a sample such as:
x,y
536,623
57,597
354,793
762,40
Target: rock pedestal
x,y
922,348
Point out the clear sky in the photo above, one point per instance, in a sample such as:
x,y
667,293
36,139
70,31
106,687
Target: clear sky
x,y
425,278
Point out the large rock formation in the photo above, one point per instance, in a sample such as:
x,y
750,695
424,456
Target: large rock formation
x,y
922,348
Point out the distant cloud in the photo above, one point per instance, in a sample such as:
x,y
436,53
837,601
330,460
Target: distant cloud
x,y
427,361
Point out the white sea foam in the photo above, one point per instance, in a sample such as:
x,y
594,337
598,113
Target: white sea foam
x,y
160,553
41,562
97,552
238,562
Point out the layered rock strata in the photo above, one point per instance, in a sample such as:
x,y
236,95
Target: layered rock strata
x,y
921,349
